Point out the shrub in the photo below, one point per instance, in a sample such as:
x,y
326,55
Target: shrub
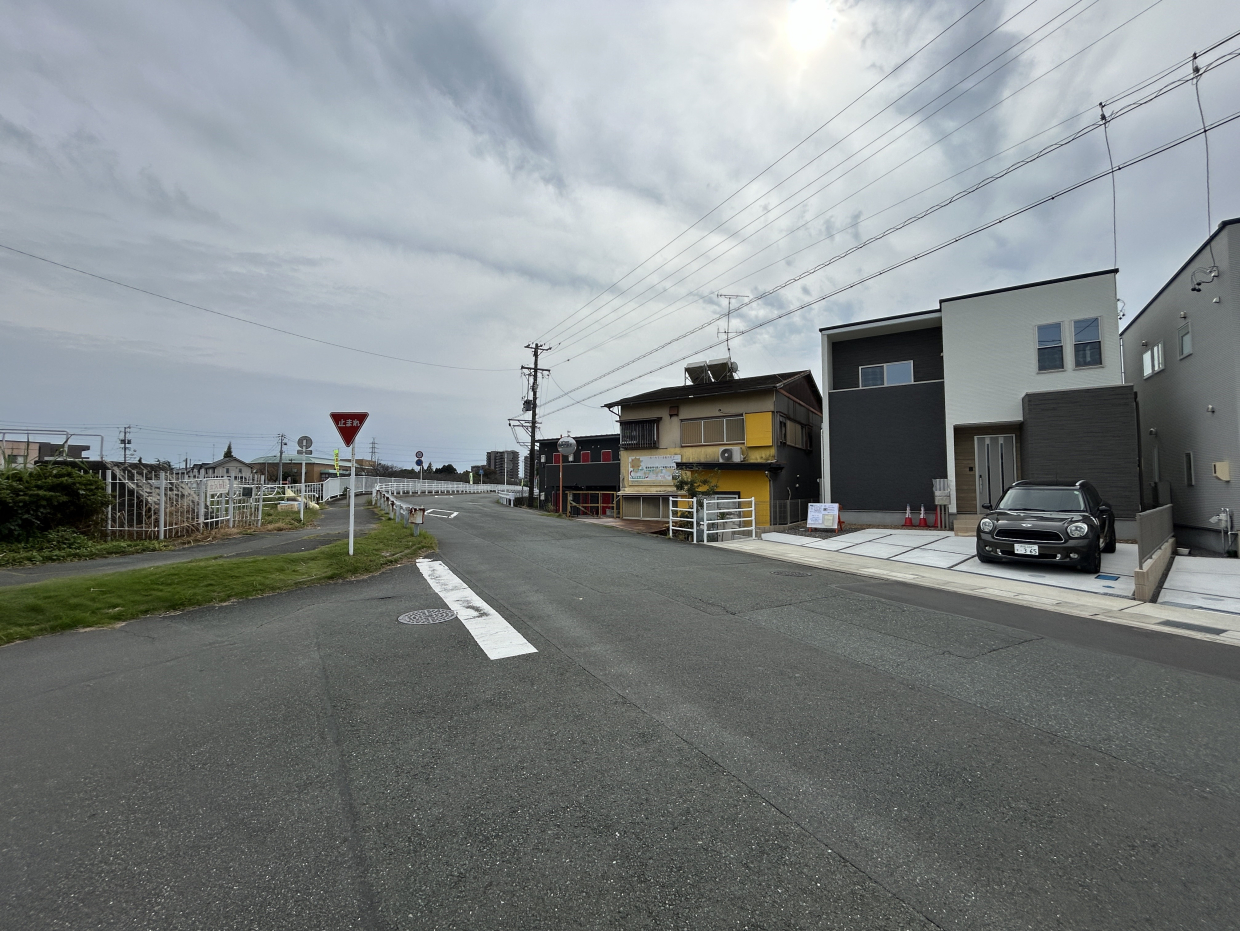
x,y
45,498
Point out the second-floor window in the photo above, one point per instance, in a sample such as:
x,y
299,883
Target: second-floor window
x,y
1152,360
793,433
712,431
1050,347
891,373
639,434
1087,342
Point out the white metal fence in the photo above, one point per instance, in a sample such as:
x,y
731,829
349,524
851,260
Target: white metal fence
x,y
712,520
151,506
418,487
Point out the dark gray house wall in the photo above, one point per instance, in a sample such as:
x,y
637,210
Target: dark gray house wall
x,y
923,347
800,477
1085,433
887,445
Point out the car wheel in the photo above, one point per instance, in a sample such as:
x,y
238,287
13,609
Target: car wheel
x,y
1109,546
1092,563
982,556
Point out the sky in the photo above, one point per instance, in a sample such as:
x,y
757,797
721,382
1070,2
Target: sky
x,y
425,188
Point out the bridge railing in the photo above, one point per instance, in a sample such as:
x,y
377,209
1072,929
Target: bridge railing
x,y
420,487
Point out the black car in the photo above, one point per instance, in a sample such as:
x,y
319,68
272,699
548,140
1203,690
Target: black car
x,y
1063,523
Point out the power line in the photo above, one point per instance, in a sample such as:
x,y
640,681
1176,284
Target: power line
x,y
220,313
577,339
811,161
908,221
832,119
1165,147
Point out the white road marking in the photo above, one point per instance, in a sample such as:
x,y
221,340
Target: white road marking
x,y
496,636
440,512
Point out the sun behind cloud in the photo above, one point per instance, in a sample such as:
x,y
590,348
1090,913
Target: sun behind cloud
x,y
810,24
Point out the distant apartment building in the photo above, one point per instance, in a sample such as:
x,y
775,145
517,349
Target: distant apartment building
x,y
505,463
1181,352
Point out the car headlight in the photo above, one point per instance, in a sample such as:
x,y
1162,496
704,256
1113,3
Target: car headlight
x,y
1078,529
985,525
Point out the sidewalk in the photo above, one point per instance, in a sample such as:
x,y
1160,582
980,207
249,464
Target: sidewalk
x,y
333,524
935,560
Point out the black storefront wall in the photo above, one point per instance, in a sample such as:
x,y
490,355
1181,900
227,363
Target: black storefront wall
x,y
1085,433
887,446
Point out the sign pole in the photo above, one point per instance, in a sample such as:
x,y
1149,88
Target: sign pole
x,y
352,491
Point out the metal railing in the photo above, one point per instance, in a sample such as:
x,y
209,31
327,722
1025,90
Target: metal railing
x,y
789,511
683,518
396,509
151,506
420,487
713,520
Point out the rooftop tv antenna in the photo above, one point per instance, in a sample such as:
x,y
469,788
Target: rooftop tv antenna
x,y
727,329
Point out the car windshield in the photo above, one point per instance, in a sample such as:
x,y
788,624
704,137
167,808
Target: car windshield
x,y
1042,499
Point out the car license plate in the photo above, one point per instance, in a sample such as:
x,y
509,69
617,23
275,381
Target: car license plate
x,y
1026,549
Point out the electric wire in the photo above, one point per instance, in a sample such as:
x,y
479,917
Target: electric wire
x,y
985,182
777,161
255,323
691,300
1159,150
821,154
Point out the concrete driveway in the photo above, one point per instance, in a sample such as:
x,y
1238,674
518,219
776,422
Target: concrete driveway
x,y
1203,582
948,551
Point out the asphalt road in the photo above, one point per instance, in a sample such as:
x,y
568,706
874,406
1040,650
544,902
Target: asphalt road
x,y
701,741
332,525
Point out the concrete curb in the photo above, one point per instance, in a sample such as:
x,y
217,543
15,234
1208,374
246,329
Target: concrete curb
x,y
1110,608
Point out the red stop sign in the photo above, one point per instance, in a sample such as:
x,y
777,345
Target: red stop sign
x,y
349,424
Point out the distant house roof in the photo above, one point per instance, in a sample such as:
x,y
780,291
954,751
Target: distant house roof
x,y
732,386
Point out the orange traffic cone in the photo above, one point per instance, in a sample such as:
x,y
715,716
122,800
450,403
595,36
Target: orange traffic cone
x,y
935,522
922,520
908,515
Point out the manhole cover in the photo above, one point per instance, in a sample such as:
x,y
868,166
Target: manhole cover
x,y
795,575
427,616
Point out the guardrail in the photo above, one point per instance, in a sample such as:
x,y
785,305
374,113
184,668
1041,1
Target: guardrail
x,y
420,487
683,518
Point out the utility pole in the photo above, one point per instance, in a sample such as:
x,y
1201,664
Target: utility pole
x,y
280,464
537,347
373,453
125,441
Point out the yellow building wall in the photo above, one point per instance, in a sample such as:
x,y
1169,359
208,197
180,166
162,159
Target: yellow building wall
x,y
748,485
759,429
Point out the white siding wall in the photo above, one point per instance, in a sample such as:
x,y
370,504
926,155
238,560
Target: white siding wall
x,y
990,357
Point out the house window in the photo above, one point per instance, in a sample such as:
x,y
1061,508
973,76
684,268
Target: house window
x,y
792,433
713,431
639,434
1050,347
1087,343
1152,360
605,456
892,373
585,455
1184,337
1190,475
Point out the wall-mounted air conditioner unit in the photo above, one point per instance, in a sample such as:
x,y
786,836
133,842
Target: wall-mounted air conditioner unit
x,y
732,454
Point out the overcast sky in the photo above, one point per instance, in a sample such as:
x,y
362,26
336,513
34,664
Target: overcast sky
x,y
446,182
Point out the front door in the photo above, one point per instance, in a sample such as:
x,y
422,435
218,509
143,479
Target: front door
x,y
996,467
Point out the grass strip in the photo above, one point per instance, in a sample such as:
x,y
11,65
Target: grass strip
x,y
93,601
65,545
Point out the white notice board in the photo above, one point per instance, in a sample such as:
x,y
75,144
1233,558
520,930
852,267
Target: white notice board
x,y
824,516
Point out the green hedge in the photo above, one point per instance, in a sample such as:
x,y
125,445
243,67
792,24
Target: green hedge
x,y
39,500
